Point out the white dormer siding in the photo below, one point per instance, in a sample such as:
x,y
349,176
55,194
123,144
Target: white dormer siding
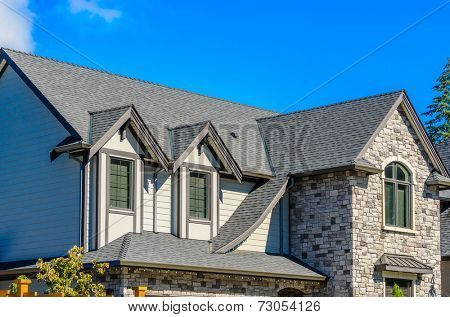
x,y
40,209
272,235
231,195
161,199
113,222
199,160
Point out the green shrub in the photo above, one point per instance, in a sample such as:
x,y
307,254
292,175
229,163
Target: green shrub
x,y
397,291
13,286
67,275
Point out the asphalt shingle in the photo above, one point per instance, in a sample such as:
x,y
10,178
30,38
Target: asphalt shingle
x,y
75,90
162,249
248,213
324,137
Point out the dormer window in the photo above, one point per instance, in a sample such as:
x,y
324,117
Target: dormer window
x,y
120,184
199,195
397,193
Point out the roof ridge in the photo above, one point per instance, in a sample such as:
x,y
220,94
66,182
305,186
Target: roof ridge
x,y
125,245
333,104
137,79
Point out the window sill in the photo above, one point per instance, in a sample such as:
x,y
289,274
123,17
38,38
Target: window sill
x,y
121,211
399,230
200,221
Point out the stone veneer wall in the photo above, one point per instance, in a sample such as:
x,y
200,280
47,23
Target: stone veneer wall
x,y
337,218
370,241
321,227
185,283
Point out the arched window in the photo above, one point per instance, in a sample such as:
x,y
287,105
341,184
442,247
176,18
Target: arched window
x,y
290,292
397,196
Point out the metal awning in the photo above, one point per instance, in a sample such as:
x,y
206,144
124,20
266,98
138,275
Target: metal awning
x,y
402,263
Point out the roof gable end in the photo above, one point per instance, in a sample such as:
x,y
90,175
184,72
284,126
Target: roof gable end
x,y
209,134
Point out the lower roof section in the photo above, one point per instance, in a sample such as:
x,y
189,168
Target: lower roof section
x,y
162,250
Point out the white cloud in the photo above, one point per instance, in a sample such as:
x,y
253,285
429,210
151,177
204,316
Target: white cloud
x,y
15,29
92,7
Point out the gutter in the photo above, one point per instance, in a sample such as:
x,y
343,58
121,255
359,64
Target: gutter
x,y
359,167
69,148
439,183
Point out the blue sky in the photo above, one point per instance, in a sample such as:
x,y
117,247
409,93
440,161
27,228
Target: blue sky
x,y
264,53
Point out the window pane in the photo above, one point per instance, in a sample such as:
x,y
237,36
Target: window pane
x,y
403,214
389,203
402,173
404,285
120,182
199,195
389,172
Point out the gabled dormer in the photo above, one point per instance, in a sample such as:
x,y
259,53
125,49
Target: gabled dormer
x,y
200,156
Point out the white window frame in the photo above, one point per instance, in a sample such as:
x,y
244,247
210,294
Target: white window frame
x,y
408,166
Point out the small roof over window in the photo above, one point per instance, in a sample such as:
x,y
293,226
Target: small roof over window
x,y
402,263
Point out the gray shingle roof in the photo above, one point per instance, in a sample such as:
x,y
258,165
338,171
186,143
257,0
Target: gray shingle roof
x,y
443,149
167,251
324,137
248,213
445,233
402,263
74,90
182,137
436,178
102,121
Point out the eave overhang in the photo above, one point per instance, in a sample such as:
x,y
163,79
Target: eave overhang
x,y
215,270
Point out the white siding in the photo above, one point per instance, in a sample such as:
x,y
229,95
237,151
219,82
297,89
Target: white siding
x,y
231,195
163,202
205,158
40,199
109,225
267,237
119,225
92,210
130,144
148,199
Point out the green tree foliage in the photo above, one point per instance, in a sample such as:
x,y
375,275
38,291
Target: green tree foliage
x,y
438,126
397,291
67,275
13,285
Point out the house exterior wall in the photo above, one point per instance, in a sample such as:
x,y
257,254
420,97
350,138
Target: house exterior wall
x,y
337,218
164,202
231,195
398,139
120,280
321,227
29,181
272,235
112,222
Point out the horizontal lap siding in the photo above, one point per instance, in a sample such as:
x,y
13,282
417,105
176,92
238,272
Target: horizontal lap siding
x,y
40,200
267,237
148,200
232,193
164,203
